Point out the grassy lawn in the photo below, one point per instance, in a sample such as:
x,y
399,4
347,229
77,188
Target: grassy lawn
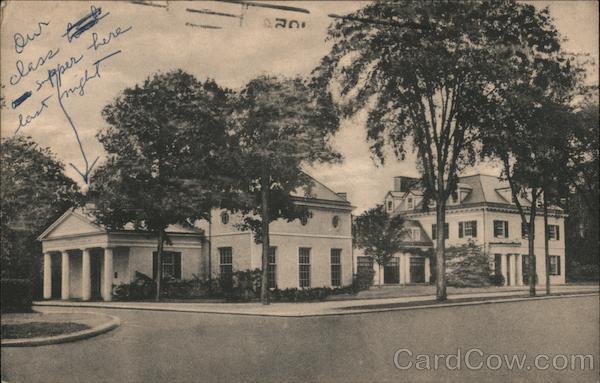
x,y
39,329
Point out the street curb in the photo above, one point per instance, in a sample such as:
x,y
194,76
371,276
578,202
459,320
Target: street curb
x,y
113,323
471,303
346,309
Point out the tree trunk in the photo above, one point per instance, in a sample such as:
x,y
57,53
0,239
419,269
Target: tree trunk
x,y
210,254
546,250
159,251
440,242
264,190
531,235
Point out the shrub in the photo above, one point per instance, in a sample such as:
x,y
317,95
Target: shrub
x,y
578,272
246,285
497,280
15,295
363,280
142,287
467,266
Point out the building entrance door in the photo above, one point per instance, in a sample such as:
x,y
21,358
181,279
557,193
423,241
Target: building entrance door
x,y
417,270
95,274
391,271
56,275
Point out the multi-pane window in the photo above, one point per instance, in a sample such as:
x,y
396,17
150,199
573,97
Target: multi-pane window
x,y
389,205
500,229
336,267
467,229
410,203
414,234
524,230
226,265
304,266
553,232
434,231
272,268
364,263
170,262
554,265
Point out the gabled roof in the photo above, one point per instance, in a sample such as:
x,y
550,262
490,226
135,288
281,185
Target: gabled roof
x,y
78,221
319,191
424,238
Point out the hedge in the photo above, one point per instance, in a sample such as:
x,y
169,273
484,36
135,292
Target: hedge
x,y
15,295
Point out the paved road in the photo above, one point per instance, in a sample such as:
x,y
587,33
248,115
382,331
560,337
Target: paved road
x,y
184,347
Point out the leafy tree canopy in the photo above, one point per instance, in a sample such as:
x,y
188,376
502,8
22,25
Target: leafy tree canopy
x,y
167,142
34,192
379,234
280,125
431,72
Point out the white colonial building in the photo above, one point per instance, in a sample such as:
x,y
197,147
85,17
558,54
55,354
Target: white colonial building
x,y
83,260
481,210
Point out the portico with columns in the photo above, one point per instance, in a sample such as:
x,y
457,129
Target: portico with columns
x,y
508,263
83,260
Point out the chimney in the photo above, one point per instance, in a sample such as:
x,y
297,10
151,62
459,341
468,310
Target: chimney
x,y
397,183
404,184
344,195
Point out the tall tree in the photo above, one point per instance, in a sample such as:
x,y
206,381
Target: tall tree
x,y
34,192
167,143
426,72
530,127
281,125
379,235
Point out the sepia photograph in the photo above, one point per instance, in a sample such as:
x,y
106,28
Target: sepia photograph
x,y
299,191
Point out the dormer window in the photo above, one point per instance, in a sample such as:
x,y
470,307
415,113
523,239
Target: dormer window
x,y
410,203
389,206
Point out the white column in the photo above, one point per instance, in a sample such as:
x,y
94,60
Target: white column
x,y
407,267
108,274
519,267
402,270
503,268
65,275
86,277
427,270
513,269
47,276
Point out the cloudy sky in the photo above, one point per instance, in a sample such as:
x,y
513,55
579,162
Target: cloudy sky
x,y
134,41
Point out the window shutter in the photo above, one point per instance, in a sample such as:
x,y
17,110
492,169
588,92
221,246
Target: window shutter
x,y
177,265
558,265
433,231
506,229
460,230
474,223
446,231
154,264
557,235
